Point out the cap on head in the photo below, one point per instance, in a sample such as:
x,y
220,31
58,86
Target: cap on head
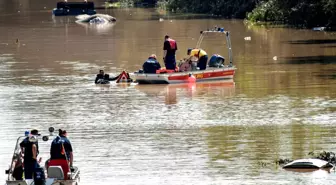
x,y
34,132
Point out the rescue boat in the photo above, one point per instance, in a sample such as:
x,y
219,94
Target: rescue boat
x,y
212,72
185,77
51,175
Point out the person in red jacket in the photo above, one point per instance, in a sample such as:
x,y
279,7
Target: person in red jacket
x,y
169,48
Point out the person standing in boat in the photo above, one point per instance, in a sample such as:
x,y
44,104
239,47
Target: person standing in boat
x,y
169,48
61,152
29,147
201,56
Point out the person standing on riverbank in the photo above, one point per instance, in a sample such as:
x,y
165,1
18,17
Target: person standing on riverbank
x,y
169,48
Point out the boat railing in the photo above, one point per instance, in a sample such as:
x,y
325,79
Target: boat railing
x,y
17,151
9,171
218,31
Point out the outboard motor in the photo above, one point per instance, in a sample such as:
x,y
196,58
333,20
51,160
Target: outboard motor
x,y
216,61
39,176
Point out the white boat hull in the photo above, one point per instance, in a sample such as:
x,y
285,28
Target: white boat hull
x,y
182,77
48,182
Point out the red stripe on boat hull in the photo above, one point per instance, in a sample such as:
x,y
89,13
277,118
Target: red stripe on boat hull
x,y
204,76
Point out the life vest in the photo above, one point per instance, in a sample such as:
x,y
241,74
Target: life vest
x,y
164,70
172,43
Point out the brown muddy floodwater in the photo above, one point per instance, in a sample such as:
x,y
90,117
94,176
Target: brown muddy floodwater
x,y
281,105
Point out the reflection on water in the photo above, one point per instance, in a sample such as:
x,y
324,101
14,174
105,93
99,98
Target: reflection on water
x,y
220,89
280,105
102,28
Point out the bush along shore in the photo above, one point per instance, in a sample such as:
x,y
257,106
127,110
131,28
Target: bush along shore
x,y
298,13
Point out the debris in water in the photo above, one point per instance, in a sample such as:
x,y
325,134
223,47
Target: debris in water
x,y
275,58
17,41
161,19
247,38
319,28
171,20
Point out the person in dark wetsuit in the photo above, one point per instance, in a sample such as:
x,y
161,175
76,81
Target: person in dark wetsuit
x,y
103,78
29,146
61,152
169,47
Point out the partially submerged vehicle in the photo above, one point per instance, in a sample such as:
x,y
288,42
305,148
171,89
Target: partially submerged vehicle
x,y
308,164
215,71
46,175
74,8
96,18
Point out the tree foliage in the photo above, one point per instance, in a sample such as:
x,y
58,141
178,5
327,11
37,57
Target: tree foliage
x,y
226,8
304,13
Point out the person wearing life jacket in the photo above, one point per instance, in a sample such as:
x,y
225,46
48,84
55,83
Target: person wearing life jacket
x,y
29,148
201,56
151,65
61,152
169,48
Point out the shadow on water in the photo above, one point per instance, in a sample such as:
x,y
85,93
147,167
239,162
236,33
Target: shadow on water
x,y
328,46
313,41
311,60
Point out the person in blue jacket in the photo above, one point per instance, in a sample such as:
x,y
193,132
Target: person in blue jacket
x,y
151,65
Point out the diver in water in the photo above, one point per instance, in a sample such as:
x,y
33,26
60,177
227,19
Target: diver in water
x,y
103,78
